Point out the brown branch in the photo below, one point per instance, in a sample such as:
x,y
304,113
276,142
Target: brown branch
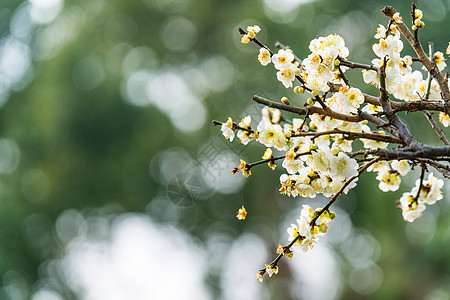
x,y
419,105
361,116
256,41
235,126
353,65
441,168
278,105
427,114
251,165
354,135
410,106
322,111
422,175
424,152
436,127
342,75
413,16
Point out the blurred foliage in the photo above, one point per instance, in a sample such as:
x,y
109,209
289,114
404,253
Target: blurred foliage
x,y
84,145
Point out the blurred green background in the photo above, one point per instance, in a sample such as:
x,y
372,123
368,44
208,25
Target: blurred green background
x,y
115,185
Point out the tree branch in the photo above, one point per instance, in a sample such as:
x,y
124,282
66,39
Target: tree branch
x,y
354,135
353,65
436,127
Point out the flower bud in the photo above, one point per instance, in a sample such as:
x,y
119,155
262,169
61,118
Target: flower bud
x,y
288,253
285,100
245,39
315,230
418,13
323,228
334,151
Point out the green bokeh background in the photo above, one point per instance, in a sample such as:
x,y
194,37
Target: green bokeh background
x,y
84,146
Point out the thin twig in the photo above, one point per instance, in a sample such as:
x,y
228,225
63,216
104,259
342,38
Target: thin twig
x,y
256,41
341,73
235,126
441,168
436,127
353,65
422,175
251,165
427,114
354,135
413,16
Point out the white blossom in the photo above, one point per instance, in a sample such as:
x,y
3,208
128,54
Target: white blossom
x,y
406,90
343,167
283,59
430,191
402,166
271,135
411,210
389,180
264,56
390,46
227,129
286,75
444,119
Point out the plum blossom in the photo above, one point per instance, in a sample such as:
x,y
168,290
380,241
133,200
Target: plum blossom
x,y
271,135
411,210
264,56
227,129
389,180
286,75
283,59
251,34
430,191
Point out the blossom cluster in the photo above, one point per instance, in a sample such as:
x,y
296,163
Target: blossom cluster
x,y
321,66
413,203
319,153
318,165
401,81
306,234
303,235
